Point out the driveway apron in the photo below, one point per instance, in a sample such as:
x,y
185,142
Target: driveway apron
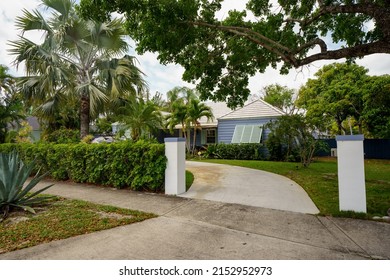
x,y
232,184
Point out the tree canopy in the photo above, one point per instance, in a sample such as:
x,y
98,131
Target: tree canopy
x,y
221,54
334,95
11,107
281,97
344,92
376,112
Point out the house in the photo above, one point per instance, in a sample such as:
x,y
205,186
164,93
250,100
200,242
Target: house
x,y
243,125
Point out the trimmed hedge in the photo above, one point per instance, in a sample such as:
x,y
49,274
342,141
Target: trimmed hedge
x,y
236,151
140,165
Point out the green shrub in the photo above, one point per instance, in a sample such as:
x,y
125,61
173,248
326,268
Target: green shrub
x,y
236,151
63,136
140,165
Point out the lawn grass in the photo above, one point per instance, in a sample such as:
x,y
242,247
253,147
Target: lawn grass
x,y
321,183
62,218
189,179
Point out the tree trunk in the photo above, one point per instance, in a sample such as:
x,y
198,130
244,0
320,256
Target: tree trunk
x,y
339,126
84,116
194,141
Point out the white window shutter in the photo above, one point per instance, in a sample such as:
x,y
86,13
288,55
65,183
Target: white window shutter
x,y
237,133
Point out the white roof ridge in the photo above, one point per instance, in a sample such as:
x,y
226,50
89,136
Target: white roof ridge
x,y
235,110
271,106
249,104
228,113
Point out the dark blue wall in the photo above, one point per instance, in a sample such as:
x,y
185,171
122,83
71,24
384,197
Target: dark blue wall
x,y
373,148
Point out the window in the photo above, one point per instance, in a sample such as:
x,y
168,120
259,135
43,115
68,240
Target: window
x,y
247,134
211,136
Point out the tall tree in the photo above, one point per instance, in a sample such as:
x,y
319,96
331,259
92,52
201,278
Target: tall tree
x,y
223,54
11,107
141,117
177,106
77,59
335,95
376,112
180,94
195,111
186,109
281,97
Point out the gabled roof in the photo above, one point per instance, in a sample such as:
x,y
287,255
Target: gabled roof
x,y
253,110
256,109
218,109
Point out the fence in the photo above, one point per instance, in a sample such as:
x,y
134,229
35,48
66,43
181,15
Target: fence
x,y
373,148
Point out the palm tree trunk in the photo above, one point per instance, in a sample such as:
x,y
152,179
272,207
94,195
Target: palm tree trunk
x,y
194,141
84,116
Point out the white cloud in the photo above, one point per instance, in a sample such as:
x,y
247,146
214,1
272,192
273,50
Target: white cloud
x,y
377,64
9,10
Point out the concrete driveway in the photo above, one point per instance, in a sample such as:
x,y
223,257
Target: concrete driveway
x,y
232,184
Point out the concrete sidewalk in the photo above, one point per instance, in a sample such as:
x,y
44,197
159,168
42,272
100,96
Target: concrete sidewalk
x,y
234,184
202,229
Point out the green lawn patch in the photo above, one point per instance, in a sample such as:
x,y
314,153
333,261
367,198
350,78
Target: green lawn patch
x,y
320,182
62,218
189,179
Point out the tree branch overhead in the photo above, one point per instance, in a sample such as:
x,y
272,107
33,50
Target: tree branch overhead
x,y
180,32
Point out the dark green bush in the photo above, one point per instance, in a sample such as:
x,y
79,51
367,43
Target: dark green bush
x,y
236,151
63,136
140,165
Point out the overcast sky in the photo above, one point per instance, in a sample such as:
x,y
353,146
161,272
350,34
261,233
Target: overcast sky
x,y
163,78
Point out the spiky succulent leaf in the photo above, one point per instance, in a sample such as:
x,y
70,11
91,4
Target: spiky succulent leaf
x,y
13,176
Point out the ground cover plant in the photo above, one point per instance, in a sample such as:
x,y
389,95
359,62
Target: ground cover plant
x,y
61,218
321,183
13,194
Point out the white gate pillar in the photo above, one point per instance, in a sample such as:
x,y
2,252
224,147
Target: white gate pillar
x,y
350,165
176,166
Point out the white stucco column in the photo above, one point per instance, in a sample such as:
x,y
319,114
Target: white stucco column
x,y
350,164
176,166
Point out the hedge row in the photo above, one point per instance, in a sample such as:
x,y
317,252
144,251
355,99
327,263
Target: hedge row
x,y
236,151
140,166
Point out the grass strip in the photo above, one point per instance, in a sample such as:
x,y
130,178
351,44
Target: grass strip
x,y
62,218
189,179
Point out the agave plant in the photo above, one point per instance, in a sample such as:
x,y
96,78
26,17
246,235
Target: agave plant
x,y
13,176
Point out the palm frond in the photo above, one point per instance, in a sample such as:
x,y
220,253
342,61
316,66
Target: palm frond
x,y
32,21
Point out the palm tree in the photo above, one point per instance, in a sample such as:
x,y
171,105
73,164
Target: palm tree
x,y
77,59
10,103
177,105
178,115
186,109
197,110
180,94
141,117
6,80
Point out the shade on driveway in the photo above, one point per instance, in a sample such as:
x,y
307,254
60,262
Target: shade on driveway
x,y
232,184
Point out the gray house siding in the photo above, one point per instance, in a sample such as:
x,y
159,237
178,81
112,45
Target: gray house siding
x,y
226,128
